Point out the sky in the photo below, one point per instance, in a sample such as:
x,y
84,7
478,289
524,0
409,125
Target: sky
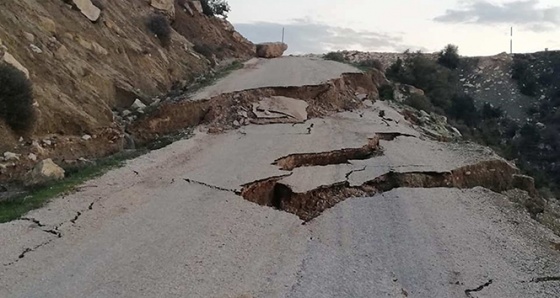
x,y
478,27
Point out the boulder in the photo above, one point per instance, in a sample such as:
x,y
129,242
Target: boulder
x,y
138,105
271,49
87,8
45,171
196,5
8,58
166,6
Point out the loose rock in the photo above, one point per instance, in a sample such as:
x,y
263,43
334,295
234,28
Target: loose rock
x,y
271,49
45,171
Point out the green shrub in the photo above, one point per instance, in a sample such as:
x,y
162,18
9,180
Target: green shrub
x,y
159,25
526,79
419,102
204,49
16,99
490,112
449,57
387,92
334,56
215,7
463,108
438,82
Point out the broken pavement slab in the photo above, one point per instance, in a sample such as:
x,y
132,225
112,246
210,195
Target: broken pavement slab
x,y
281,107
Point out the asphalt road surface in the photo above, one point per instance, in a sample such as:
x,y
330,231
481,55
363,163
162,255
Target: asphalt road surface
x,y
171,224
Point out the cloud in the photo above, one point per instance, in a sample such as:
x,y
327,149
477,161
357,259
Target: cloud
x,y
522,12
304,36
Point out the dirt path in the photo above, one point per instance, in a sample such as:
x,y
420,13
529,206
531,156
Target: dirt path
x,y
178,222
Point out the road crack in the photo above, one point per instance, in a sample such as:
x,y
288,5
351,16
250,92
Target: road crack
x,y
53,231
354,171
237,192
496,175
545,279
478,289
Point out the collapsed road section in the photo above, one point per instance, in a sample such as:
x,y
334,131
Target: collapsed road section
x,y
496,175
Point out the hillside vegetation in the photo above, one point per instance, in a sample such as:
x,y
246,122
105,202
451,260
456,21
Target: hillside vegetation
x,y
533,141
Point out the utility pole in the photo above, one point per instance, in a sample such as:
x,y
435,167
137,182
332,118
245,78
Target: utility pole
x,y
511,42
283,34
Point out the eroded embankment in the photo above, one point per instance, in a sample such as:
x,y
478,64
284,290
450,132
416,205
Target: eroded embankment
x,y
496,175
222,111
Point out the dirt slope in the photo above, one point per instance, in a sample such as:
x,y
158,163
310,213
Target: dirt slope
x,y
83,70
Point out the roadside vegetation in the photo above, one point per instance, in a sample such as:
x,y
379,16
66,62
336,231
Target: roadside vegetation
x,y
36,197
362,65
14,208
159,25
16,99
534,145
215,7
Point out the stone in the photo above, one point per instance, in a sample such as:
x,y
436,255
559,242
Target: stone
x,y
236,123
98,49
167,6
43,172
456,131
271,49
196,5
361,96
8,58
47,24
30,37
36,49
126,113
32,157
36,148
10,156
138,105
86,137
87,8
540,125
47,142
368,103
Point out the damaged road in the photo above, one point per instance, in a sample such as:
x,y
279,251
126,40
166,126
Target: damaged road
x,y
387,212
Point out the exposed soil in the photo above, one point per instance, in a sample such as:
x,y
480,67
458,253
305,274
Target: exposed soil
x,y
220,112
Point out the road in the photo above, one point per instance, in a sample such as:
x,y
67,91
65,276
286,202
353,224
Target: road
x,y
280,72
172,224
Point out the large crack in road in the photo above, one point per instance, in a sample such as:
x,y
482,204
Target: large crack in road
x,y
496,175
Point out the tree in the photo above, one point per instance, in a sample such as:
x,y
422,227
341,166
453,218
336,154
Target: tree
x,y
449,57
215,7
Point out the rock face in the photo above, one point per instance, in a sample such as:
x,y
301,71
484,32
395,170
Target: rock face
x,y
45,171
167,6
87,8
271,49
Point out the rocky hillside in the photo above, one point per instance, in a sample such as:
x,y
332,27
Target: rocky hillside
x,y
87,60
